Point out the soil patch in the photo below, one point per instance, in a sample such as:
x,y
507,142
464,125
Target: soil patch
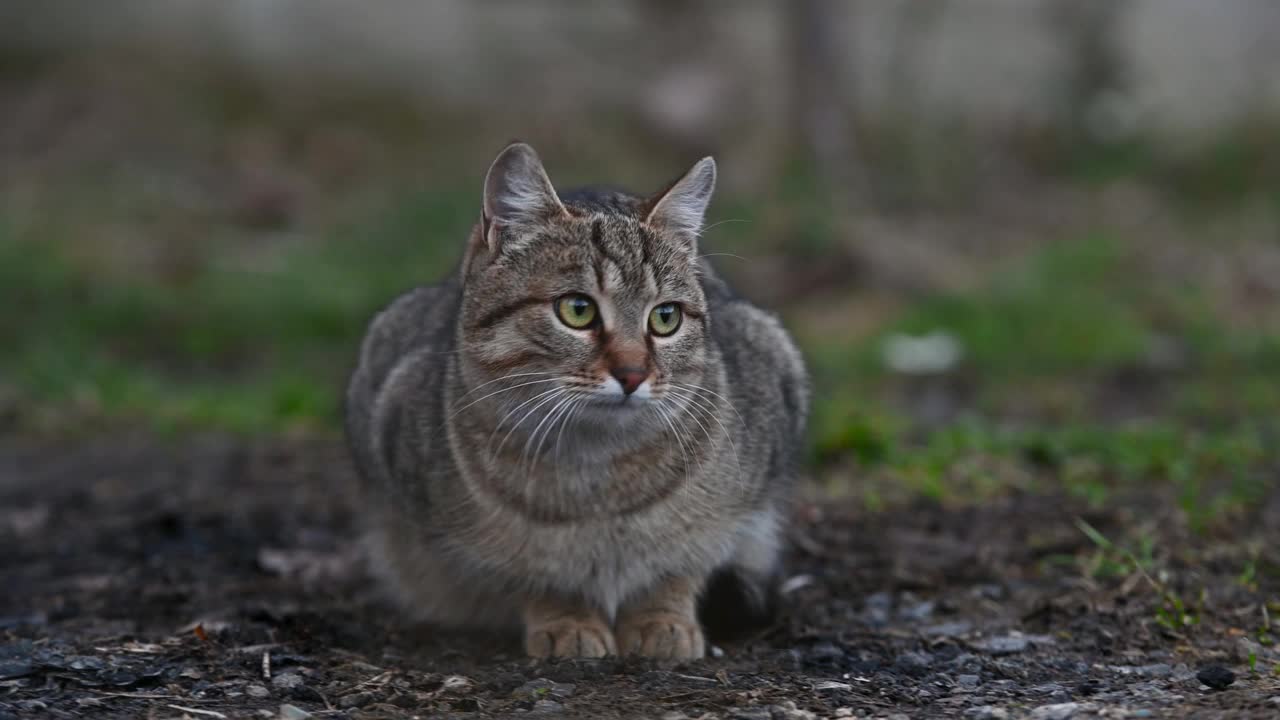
x,y
214,578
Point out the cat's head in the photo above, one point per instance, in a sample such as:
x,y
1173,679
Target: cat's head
x,y
589,301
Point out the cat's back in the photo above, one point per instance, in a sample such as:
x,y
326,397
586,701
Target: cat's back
x,y
418,324
767,382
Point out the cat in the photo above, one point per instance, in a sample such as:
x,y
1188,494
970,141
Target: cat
x,y
582,432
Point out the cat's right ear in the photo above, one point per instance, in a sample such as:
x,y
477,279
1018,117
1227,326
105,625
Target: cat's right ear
x,y
517,193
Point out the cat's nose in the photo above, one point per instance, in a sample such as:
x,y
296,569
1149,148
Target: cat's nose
x,y
629,378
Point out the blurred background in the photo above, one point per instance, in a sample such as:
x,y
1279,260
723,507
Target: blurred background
x,y
1026,244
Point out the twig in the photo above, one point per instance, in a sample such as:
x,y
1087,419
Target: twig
x,y
380,678
209,713
139,696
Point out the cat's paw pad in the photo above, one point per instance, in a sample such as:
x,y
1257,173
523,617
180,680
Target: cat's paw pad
x,y
570,638
661,635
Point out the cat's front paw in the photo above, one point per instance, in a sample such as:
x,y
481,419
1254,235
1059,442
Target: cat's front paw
x,y
570,637
661,634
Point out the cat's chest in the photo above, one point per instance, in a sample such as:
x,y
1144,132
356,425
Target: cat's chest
x,y
611,554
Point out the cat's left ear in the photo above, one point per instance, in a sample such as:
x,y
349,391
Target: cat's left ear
x,y
680,209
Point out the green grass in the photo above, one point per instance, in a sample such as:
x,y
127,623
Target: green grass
x,y
264,346
243,349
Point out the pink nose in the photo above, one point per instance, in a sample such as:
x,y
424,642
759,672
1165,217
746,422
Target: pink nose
x,y
629,378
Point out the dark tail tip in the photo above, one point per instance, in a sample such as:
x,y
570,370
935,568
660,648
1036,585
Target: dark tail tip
x,y
735,604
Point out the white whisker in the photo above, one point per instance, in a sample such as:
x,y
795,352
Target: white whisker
x,y
504,377
499,392
527,415
706,229
727,401
694,402
552,413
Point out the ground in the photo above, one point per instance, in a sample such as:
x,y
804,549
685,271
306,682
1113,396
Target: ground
x,y
1044,450
213,577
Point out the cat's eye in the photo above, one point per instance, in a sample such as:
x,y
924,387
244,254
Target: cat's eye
x,y
576,311
665,319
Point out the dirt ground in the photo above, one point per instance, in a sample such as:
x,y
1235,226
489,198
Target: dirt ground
x,y
213,578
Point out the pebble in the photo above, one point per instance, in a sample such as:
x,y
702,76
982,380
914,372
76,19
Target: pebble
x,y
287,681
917,611
293,712
1062,711
824,654
876,608
831,685
1090,687
751,713
547,706
1007,645
357,700
968,681
948,629
986,712
787,710
257,691
913,662
1216,677
541,688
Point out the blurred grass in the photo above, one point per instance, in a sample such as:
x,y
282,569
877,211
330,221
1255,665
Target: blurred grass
x,y
250,350
1084,367
262,347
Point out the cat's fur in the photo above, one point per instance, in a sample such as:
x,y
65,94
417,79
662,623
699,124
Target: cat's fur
x,y
498,496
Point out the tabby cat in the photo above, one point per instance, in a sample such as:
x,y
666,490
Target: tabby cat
x,y
582,432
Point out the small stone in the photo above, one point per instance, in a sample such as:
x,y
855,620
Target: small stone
x,y
1007,645
547,706
10,669
986,712
948,629
968,682
674,715
293,712
1062,711
286,681
257,691
876,609
916,611
913,662
965,664
831,685
787,710
751,713
824,654
1089,687
716,651
456,682
1216,677
356,700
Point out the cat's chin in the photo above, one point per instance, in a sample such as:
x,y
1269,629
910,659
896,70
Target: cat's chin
x,y
612,410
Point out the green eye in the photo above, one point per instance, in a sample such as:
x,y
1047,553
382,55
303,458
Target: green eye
x,y
665,319
576,311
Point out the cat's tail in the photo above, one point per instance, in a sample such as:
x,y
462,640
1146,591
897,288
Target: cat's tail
x,y
738,602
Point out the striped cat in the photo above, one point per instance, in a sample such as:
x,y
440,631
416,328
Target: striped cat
x,y
582,432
